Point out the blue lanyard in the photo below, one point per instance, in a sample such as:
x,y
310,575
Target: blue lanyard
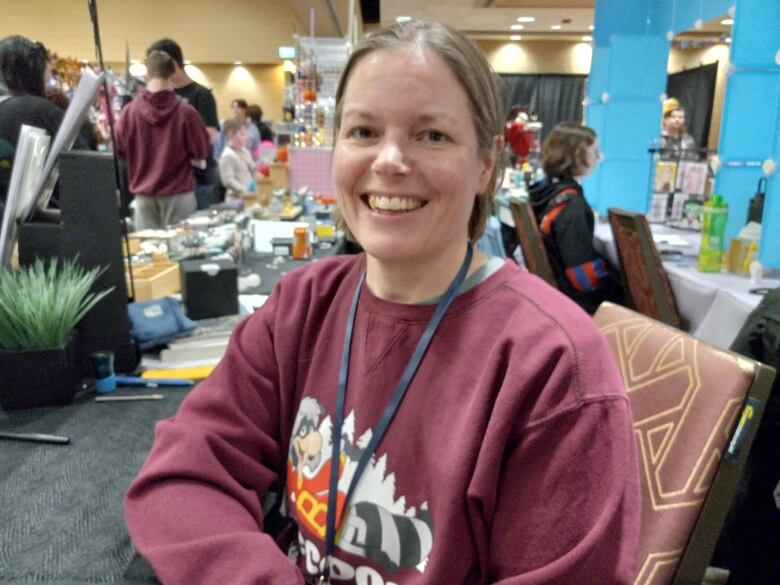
x,y
390,409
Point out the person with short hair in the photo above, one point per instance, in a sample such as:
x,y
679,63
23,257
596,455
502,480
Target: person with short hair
x,y
161,137
255,113
240,112
425,413
202,99
236,167
569,154
675,142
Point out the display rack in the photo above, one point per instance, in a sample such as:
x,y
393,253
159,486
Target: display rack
x,y
320,62
680,181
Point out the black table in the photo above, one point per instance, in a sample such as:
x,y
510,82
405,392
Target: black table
x,y
61,506
270,273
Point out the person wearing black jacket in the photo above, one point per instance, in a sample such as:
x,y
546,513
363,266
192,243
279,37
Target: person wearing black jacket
x,y
750,540
24,65
569,154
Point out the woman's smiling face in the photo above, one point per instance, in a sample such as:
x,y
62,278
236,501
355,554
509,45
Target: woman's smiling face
x,y
406,162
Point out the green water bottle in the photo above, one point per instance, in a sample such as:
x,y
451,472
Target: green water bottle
x,y
714,213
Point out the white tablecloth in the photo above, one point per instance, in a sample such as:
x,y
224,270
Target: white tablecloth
x,y
713,305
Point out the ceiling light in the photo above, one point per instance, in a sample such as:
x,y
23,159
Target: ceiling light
x,y
591,27
727,21
403,18
237,63
286,52
556,27
517,27
587,38
525,19
515,38
138,70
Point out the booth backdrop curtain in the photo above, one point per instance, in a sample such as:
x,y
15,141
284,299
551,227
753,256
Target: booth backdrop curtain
x,y
554,97
695,90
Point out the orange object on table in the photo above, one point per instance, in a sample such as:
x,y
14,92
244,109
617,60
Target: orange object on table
x,y
301,249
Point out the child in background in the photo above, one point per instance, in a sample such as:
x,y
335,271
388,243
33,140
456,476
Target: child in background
x,y
236,167
569,154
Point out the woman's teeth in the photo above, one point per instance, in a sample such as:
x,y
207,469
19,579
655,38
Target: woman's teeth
x,y
383,203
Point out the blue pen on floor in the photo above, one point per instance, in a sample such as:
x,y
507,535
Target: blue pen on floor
x,y
152,382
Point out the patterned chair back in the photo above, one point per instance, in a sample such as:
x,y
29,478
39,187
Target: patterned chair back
x,y
645,281
531,242
695,409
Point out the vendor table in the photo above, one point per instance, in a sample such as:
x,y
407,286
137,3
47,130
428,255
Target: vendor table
x,y
713,304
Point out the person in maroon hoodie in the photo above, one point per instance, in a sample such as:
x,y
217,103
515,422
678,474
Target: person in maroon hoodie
x,y
427,414
161,138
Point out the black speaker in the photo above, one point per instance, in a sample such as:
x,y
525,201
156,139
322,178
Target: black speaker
x,y
90,231
209,288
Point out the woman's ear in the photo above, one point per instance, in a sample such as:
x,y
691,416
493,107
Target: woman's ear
x,y
489,161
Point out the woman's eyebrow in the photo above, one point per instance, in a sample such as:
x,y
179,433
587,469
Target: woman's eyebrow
x,y
423,118
358,113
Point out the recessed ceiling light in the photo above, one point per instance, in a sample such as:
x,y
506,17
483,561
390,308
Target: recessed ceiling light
x,y
525,19
556,27
517,27
237,63
727,21
515,38
591,27
587,38
403,18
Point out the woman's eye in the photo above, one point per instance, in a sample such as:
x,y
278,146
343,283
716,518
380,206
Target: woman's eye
x,y
434,136
361,132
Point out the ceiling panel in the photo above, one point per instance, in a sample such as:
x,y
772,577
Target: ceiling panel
x,y
519,4
471,16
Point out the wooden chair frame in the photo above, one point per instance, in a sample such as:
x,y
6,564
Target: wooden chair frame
x,y
531,242
660,303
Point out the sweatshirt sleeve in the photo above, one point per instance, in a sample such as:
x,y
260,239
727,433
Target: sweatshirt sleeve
x,y
195,510
572,517
120,132
566,508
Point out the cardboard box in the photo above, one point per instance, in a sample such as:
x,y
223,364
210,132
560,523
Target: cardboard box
x,y
154,280
209,288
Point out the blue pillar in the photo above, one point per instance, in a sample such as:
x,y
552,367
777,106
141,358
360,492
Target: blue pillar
x,y
750,132
628,76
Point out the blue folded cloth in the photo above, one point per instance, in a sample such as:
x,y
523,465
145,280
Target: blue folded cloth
x,y
157,322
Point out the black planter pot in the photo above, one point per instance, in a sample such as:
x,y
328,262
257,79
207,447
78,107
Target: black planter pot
x,y
30,378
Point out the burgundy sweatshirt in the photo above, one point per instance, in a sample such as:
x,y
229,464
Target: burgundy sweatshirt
x,y
511,459
159,135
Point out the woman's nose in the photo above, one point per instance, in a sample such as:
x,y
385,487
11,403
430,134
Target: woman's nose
x,y
391,158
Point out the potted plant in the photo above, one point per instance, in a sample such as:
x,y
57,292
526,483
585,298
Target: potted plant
x,y
40,306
